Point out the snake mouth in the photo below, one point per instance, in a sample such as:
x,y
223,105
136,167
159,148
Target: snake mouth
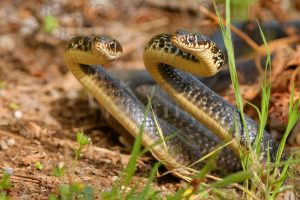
x,y
179,38
189,40
108,46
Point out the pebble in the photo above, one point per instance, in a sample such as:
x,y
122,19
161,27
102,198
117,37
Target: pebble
x,y
114,178
29,26
3,145
9,170
7,43
18,114
61,164
72,94
11,141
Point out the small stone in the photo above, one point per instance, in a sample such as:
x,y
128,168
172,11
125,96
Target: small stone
x,y
7,43
61,164
3,145
29,25
114,178
18,114
11,141
72,94
9,170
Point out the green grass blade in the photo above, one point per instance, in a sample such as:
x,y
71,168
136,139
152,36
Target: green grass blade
x,y
132,193
161,135
226,33
266,92
209,166
130,168
145,193
281,178
177,196
291,103
234,178
294,116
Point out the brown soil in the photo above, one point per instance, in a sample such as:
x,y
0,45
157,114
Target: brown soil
x,y
42,105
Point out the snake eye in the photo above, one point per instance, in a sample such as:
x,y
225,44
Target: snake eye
x,y
191,38
112,45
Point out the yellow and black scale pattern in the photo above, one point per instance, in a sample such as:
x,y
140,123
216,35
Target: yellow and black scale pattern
x,y
184,146
219,116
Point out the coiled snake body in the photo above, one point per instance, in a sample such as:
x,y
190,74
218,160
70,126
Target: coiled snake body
x,y
178,146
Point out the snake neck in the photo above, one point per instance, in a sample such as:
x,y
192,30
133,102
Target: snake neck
x,y
160,48
202,103
130,113
168,78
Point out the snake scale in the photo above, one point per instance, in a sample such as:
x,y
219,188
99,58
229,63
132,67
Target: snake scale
x,y
170,60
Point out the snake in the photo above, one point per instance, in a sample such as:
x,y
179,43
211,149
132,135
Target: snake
x,y
172,60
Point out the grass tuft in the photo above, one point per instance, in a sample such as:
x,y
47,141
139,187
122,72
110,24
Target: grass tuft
x,y
5,185
257,181
263,181
73,190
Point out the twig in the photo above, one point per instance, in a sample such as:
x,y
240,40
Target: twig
x,y
11,135
272,45
23,178
241,34
275,43
155,24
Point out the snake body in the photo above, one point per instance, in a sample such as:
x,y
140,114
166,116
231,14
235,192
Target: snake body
x,y
185,142
202,103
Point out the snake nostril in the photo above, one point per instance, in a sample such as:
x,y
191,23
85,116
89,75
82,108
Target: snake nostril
x,y
182,39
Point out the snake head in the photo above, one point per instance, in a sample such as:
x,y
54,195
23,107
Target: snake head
x,y
188,40
106,46
92,50
202,46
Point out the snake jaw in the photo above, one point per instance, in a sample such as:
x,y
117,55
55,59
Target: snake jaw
x,y
187,40
91,50
107,47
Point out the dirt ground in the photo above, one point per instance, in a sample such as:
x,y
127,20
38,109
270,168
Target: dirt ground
x,y
42,105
